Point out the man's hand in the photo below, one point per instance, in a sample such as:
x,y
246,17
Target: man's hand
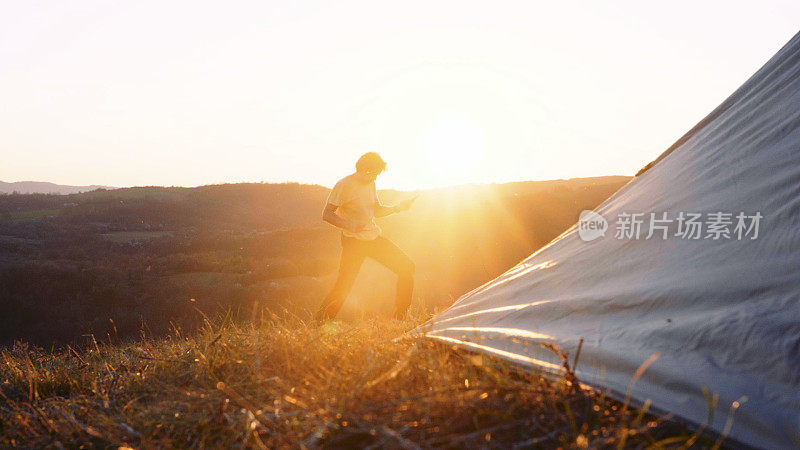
x,y
405,205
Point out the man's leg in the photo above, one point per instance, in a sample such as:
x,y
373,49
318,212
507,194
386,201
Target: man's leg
x,y
348,270
387,253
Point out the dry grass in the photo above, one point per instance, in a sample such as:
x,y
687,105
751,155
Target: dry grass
x,y
282,383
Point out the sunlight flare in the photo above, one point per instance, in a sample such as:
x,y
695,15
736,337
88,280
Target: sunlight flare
x,y
453,146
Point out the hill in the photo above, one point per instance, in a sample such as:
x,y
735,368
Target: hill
x,y
43,187
179,317
126,260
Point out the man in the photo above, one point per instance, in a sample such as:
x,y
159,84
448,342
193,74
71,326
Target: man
x,y
352,206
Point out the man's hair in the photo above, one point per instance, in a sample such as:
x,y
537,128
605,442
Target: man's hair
x,y
370,162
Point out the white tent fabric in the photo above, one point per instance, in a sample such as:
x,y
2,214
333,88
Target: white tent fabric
x,y
723,314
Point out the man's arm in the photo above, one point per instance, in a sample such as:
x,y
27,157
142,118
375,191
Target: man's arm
x,y
385,210
379,209
329,215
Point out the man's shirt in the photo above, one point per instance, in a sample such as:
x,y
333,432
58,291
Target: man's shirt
x,y
356,201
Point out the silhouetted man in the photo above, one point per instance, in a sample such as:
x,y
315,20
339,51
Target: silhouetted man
x,y
352,206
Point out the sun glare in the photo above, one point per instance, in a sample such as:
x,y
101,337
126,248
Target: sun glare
x,y
453,147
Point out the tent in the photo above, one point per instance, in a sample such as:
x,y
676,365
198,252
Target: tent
x,y
695,262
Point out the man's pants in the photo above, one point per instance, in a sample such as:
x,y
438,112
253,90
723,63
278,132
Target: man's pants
x,y
353,253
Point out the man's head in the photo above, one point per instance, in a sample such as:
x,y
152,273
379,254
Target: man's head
x,y
369,166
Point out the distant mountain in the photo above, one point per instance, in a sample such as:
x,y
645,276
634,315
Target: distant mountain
x,y
43,187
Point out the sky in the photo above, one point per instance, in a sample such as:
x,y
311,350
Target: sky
x,y
174,93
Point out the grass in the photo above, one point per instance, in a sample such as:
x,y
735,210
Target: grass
x,y
281,383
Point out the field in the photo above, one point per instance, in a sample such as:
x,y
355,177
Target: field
x,y
281,383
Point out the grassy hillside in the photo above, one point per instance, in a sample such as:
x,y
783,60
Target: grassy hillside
x,y
279,383
119,261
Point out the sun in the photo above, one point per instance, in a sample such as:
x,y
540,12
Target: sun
x,y
453,147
